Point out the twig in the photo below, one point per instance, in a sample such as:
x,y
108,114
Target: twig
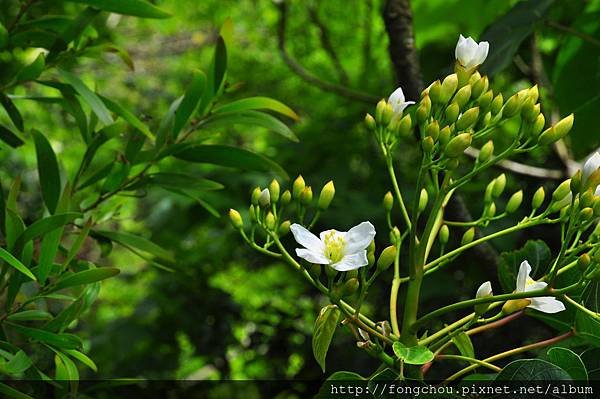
x,y
574,32
24,7
522,169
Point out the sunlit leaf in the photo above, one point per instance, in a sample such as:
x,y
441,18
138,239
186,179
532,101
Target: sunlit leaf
x,y
88,96
136,8
569,361
85,277
190,101
130,240
325,327
257,103
412,355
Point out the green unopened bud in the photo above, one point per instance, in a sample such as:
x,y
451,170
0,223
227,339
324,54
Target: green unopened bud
x,y
490,210
468,236
388,114
444,234
350,287
587,198
562,190
435,91
480,87
485,121
387,257
462,96
236,219
533,114
424,110
514,305
351,274
486,151
404,125
264,199
563,127
395,235
538,125
584,261
284,228
427,144
512,106
458,145
485,101
527,109
534,93
371,247
452,164
548,136
489,189
388,201
586,213
538,198
270,221
286,197
433,130
444,135
514,202
596,206
274,190
306,196
449,85
252,214
497,103
298,187
326,196
423,199
370,122
467,119
379,110
452,111
499,184
370,259
255,196
474,78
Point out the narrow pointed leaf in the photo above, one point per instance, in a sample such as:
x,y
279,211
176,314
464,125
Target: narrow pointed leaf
x,y
12,111
67,341
323,331
48,171
255,118
128,116
258,103
11,138
85,277
136,8
190,101
136,242
88,96
14,262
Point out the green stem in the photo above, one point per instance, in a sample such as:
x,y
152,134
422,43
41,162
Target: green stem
x,y
478,362
396,187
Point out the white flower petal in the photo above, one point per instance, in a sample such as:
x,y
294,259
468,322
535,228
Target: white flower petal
x,y
524,271
469,53
534,286
547,304
306,238
359,237
312,257
484,290
481,53
591,165
400,107
397,96
352,261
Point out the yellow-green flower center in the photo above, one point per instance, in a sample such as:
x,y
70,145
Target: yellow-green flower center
x,y
334,246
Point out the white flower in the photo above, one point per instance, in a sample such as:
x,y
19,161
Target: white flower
x,y
546,304
398,101
341,250
469,53
591,165
484,290
265,197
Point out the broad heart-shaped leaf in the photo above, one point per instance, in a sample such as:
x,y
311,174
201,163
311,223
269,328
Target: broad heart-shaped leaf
x,y
569,361
229,156
258,103
47,170
323,331
587,328
85,277
591,296
254,118
88,96
536,252
137,242
464,345
412,355
532,370
11,138
591,359
190,101
136,8
325,392
507,33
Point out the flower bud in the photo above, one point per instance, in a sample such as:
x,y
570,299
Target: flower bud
x,y
449,85
527,109
404,125
330,272
497,103
423,199
388,201
490,210
548,136
563,127
370,122
586,213
395,236
538,198
532,115
484,291
388,114
371,247
433,130
514,305
468,236
284,228
480,87
485,101
452,112
427,145
452,164
424,110
387,257
270,221
489,190
379,110
444,135
286,197
538,125
236,219
351,274
326,196
467,119
306,196
474,78
462,96
512,106
444,234
534,93
587,198
499,184
483,122
514,202
562,190
596,206
458,145
350,287
274,190
298,187
435,91
255,196
583,261
264,199
486,151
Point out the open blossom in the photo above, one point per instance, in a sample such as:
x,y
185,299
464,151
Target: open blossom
x,y
484,290
590,166
546,304
398,101
342,250
469,53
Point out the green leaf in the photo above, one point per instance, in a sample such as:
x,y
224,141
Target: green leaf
x,y
88,96
32,71
535,251
182,181
216,73
587,328
66,341
569,361
334,380
464,345
166,124
19,363
82,358
66,370
190,101
13,393
46,225
591,359
229,156
323,331
412,355
14,262
128,116
12,111
532,370
255,118
185,193
48,251
257,103
118,174
47,170
136,8
28,315
130,240
11,138
507,33
85,277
